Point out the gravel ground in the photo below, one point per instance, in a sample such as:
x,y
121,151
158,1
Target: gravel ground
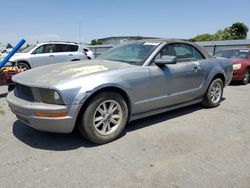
x,y
188,147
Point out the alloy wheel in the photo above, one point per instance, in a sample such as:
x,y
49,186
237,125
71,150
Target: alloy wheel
x,y
216,92
107,117
246,77
23,66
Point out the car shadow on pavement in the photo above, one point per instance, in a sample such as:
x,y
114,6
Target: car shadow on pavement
x,y
49,141
63,142
152,120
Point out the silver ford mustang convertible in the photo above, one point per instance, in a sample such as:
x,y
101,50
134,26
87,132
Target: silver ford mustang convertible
x,y
127,82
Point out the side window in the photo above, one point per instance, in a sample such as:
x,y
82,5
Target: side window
x,y
64,48
39,50
47,48
72,48
185,52
166,50
197,54
59,48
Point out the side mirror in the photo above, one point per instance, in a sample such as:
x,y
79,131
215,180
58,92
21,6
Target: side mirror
x,y
166,59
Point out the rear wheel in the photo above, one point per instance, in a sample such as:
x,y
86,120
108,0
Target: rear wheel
x,y
214,94
246,77
104,118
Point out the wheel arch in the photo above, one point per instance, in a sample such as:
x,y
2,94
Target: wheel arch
x,y
221,76
24,61
212,77
116,89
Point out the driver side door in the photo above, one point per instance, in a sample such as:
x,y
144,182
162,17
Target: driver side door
x,y
42,55
172,84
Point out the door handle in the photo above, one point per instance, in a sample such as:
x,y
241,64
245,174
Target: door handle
x,y
51,56
195,69
70,54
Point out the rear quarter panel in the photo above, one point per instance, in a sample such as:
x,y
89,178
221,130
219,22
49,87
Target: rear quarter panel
x,y
215,66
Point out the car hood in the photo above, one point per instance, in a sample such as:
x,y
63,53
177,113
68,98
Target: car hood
x,y
47,76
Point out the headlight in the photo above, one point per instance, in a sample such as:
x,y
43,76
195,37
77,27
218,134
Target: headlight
x,y
236,66
50,96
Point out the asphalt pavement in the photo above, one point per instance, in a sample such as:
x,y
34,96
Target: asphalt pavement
x,y
188,147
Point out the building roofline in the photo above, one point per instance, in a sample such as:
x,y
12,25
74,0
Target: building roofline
x,y
105,38
225,42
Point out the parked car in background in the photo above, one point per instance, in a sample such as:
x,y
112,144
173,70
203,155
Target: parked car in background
x,y
90,55
5,52
48,53
241,63
128,82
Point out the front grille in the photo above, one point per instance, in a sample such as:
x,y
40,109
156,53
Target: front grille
x,y
24,92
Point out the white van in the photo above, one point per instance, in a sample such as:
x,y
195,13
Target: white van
x,y
49,53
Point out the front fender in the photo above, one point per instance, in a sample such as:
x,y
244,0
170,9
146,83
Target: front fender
x,y
83,95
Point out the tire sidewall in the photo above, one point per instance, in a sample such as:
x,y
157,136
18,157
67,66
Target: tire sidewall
x,y
87,125
208,98
23,65
245,82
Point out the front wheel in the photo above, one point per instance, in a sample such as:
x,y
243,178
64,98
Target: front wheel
x,y
23,66
214,94
104,118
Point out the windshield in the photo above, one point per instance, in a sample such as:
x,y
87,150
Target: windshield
x,y
239,54
135,53
28,49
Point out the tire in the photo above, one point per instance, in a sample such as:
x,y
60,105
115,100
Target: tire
x,y
23,65
214,94
99,126
246,77
11,87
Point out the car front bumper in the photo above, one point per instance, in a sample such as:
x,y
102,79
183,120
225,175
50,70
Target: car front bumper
x,y
25,112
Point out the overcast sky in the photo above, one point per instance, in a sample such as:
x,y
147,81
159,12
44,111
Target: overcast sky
x,y
84,20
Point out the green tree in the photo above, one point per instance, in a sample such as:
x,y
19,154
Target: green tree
x,y
9,45
235,31
96,42
202,37
222,35
238,31
27,45
138,37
